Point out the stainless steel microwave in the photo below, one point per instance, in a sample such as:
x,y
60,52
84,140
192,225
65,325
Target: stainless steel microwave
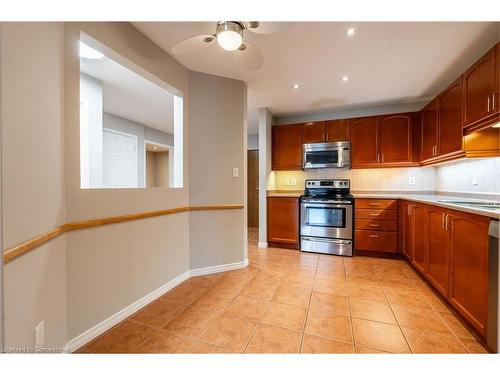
x,y
326,155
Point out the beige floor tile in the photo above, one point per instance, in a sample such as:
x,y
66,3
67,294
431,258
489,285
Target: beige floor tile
x,y
365,350
372,310
473,346
292,296
157,314
436,302
405,284
167,342
360,279
249,308
230,332
206,281
285,316
366,291
260,290
332,302
194,321
123,338
320,345
297,281
423,319
432,342
407,298
329,324
456,325
274,340
184,294
330,286
379,336
215,297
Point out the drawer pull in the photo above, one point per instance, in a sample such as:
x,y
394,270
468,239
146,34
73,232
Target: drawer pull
x,y
374,236
374,204
372,214
374,225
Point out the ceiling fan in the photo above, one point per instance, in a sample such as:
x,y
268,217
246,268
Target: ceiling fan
x,y
229,35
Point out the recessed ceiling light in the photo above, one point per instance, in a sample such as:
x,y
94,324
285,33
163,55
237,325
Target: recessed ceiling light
x,y
345,78
154,147
88,52
296,86
351,31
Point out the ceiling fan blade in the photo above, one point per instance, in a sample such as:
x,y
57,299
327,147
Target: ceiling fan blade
x,y
249,56
195,44
267,27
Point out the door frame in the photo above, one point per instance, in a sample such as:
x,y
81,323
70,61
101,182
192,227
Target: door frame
x,y
111,130
170,150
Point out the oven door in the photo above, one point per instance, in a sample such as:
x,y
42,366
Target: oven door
x,y
326,155
329,220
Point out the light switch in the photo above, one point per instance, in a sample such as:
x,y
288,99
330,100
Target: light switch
x,y
294,181
236,172
287,182
411,180
474,180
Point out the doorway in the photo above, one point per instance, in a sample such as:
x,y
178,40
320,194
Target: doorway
x,y
253,188
119,159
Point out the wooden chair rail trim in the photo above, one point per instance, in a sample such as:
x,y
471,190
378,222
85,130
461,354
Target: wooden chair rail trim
x,y
18,250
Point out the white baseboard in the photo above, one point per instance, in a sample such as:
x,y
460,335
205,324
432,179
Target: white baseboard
x,y
216,269
263,245
121,315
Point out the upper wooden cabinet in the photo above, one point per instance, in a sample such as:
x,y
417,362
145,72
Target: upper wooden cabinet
x,y
313,132
429,120
338,130
396,138
378,141
450,138
287,147
481,91
364,141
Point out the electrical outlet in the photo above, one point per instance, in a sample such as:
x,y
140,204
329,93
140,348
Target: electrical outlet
x,y
236,172
411,180
474,180
287,182
294,181
40,334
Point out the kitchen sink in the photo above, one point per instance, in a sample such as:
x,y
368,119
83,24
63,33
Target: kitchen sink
x,y
479,204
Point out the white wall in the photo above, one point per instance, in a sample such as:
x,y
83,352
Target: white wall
x,y
459,176
253,141
33,183
217,144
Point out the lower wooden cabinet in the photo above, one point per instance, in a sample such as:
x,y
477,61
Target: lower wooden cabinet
x,y
450,249
283,222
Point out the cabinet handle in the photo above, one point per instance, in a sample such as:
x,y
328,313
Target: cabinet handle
x,y
374,236
493,100
382,158
374,214
446,222
442,220
488,104
374,225
373,204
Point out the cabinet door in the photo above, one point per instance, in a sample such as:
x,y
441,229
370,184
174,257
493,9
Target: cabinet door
x,y
396,138
313,132
287,147
419,226
338,130
480,84
429,130
364,141
406,229
438,250
283,221
469,267
450,119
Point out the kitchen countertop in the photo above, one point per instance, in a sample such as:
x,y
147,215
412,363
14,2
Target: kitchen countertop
x,y
428,197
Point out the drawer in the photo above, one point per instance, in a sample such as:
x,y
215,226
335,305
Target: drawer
x,y
376,240
380,204
370,224
376,214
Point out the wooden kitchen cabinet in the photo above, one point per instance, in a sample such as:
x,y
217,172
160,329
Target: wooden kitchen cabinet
x,y
338,130
287,147
419,235
438,253
429,125
396,138
283,222
364,141
406,230
313,132
481,91
468,246
450,137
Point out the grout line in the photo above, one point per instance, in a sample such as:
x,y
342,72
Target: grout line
x,y
350,312
309,305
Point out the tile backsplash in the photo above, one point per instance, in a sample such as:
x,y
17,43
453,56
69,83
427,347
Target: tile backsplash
x,y
472,176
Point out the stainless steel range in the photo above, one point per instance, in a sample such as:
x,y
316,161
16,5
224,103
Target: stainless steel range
x,y
326,217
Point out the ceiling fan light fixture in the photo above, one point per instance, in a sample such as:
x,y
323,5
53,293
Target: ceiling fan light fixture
x,y
229,35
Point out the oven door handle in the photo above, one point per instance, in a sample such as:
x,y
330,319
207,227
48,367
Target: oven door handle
x,y
327,240
325,205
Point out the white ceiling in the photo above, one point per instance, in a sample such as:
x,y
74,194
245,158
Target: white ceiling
x,y
129,95
387,62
